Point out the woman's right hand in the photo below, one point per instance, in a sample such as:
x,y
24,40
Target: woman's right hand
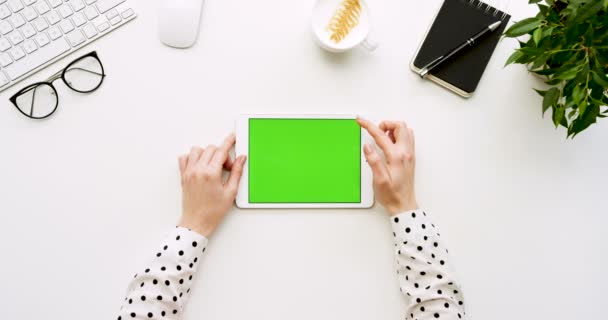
x,y
206,196
393,177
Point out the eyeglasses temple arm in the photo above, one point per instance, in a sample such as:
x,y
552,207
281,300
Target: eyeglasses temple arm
x,y
89,71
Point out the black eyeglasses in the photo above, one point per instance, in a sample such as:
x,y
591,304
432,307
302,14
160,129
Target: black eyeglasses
x,y
40,100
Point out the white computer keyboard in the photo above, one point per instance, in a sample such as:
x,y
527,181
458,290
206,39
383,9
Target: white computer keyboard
x,y
35,33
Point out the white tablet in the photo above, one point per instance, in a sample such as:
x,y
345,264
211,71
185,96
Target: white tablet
x,y
303,161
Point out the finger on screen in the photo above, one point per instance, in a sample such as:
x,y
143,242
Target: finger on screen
x,y
381,139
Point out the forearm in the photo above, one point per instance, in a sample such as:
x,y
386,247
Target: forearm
x,y
423,267
162,287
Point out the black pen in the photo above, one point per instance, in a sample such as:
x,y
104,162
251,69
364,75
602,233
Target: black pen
x,y
470,42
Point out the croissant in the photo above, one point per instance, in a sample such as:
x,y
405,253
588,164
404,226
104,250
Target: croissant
x,y
344,20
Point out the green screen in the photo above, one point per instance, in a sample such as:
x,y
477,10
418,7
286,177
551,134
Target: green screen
x,y
304,161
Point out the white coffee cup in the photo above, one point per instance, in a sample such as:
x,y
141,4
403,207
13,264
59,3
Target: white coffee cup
x,y
321,16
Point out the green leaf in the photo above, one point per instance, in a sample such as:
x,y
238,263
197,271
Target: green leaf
x,y
539,62
550,98
541,92
605,5
558,115
532,51
514,57
548,71
537,35
582,106
542,10
554,82
522,27
577,94
584,120
567,75
602,80
589,10
534,1
547,32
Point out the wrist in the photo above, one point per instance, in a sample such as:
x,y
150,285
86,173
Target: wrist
x,y
201,227
397,208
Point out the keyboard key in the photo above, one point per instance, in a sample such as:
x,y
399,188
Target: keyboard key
x,y
103,26
28,31
54,33
91,12
75,38
15,37
29,14
29,2
105,5
127,13
90,1
38,58
4,44
111,14
17,20
115,20
55,3
5,59
5,27
66,26
40,24
3,79
29,46
15,5
42,7
65,11
4,11
89,30
77,5
42,39
79,19
17,53
53,17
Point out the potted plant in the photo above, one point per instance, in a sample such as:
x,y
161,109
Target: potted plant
x,y
568,47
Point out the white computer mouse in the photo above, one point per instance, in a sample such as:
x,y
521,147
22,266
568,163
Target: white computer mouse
x,y
179,22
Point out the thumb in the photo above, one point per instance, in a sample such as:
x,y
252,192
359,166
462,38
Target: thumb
x,y
232,185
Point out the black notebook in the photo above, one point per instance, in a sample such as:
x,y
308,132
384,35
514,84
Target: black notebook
x,y
456,21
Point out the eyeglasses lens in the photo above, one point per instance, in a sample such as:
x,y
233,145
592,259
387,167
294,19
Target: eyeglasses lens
x,y
84,75
38,102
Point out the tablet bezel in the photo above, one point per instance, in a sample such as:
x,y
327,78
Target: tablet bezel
x,y
242,148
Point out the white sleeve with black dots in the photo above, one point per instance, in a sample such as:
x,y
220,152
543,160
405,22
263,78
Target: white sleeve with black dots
x,y
161,289
423,268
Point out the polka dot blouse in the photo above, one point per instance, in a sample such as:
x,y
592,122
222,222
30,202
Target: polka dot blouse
x,y
161,290
423,269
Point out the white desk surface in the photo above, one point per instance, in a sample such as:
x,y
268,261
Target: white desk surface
x,y
87,195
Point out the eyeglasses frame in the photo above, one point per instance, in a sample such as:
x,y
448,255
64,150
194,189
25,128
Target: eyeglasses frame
x,y
59,75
